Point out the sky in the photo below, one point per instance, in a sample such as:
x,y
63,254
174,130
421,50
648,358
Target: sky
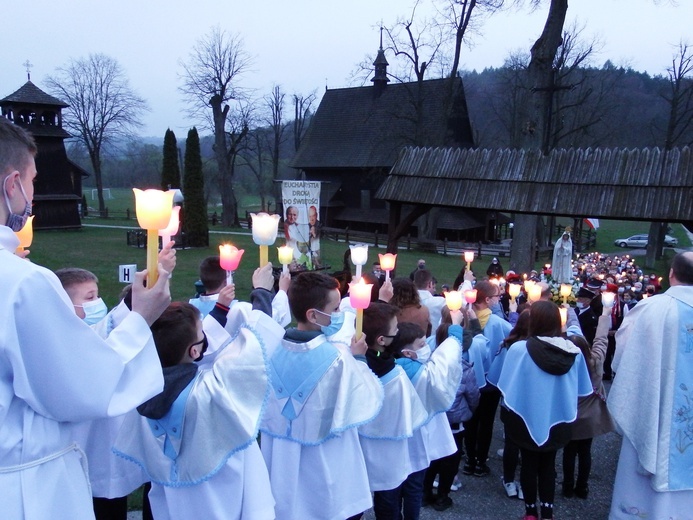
x,y
301,45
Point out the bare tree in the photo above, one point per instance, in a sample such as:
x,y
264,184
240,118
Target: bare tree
x,y
102,106
302,109
274,103
679,97
534,122
211,81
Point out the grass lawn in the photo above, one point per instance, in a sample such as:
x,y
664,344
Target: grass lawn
x,y
102,250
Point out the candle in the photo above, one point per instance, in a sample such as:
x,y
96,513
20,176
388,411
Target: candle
x,y
564,316
153,208
265,228
534,293
566,290
608,299
514,290
469,258
26,234
360,298
286,255
495,281
172,227
453,299
359,257
501,281
470,296
529,284
387,263
229,258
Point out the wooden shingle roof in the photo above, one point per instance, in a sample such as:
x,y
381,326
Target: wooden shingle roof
x,y
635,184
31,94
354,128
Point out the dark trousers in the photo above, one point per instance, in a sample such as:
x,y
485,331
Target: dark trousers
x,y
403,502
479,429
110,508
582,450
538,473
146,506
446,467
511,456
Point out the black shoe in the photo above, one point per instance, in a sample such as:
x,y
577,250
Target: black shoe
x,y
568,491
582,491
481,470
442,503
469,468
428,499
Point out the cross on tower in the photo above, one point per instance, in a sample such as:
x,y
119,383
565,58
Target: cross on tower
x,y
28,66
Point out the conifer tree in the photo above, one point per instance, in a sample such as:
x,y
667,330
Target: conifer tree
x,y
170,170
194,207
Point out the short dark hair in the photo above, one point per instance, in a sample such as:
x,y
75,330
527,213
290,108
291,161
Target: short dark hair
x,y
422,277
407,333
376,320
682,266
174,331
544,319
17,146
310,291
211,273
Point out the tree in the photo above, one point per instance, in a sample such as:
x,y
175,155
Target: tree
x,y
170,171
534,121
679,98
275,107
102,106
302,106
194,207
210,80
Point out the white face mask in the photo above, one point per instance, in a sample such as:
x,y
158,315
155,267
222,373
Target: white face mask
x,y
580,305
94,311
422,355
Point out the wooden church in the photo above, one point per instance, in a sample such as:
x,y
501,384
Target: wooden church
x,y
357,134
58,186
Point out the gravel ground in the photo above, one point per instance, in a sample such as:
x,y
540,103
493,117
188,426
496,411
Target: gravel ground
x,y
483,498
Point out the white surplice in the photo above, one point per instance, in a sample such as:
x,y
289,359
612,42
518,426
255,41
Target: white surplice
x,y
54,369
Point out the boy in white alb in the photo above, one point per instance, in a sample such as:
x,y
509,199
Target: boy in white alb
x,y
319,396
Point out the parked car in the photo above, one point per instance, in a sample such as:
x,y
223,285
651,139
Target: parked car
x,y
641,241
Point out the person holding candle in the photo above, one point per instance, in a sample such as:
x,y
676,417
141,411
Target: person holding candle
x,y
480,426
197,439
586,316
593,417
319,396
436,377
541,380
385,440
219,297
56,370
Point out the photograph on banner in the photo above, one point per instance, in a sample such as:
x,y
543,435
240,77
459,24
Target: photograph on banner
x,y
301,201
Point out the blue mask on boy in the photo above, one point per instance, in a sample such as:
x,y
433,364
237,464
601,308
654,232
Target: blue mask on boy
x,y
94,311
336,322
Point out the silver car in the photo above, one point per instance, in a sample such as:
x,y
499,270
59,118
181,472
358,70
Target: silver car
x,y
641,241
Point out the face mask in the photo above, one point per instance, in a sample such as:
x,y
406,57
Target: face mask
x,y
423,354
580,305
15,221
204,344
621,290
336,321
94,311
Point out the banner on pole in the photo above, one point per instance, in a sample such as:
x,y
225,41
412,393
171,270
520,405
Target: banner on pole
x,y
301,202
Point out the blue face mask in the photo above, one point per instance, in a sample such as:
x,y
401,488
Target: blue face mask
x,y
15,221
336,322
94,311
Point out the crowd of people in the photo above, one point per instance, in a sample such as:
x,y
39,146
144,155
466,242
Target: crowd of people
x,y
223,412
